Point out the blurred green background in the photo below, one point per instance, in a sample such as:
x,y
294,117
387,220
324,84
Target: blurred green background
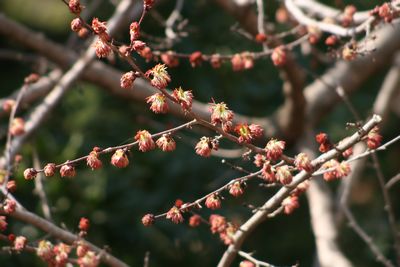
x,y
115,200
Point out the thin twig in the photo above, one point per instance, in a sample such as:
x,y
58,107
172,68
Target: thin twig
x,y
39,189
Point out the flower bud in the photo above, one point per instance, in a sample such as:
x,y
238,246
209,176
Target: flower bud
x,y
49,169
119,159
148,220
98,27
45,250
159,76
93,161
3,223
127,80
158,103
196,58
175,215
20,243
278,56
76,25
67,170
284,175
84,224
30,174
303,162
145,140
9,206
195,220
11,186
17,127
166,143
236,189
75,6
274,149
213,202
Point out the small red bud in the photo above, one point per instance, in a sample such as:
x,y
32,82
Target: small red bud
x,y
196,58
31,78
148,220
261,38
75,6
119,159
11,186
84,224
30,174
67,171
195,220
49,169
278,56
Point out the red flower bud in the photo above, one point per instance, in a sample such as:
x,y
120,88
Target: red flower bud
x,y
175,215
30,174
374,139
290,204
17,127
67,171
119,159
98,26
236,189
158,103
274,149
76,24
3,223
93,161
261,38
170,59
284,175
196,58
215,61
134,31
145,140
278,56
159,76
20,243
11,186
303,162
127,80
75,6
84,224
195,220
49,169
148,220
213,202
166,143
9,206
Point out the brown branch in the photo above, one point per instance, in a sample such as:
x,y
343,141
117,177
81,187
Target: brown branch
x,y
275,201
290,116
321,204
303,19
36,90
392,181
321,97
24,215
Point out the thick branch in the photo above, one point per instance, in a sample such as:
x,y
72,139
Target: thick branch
x,y
274,202
55,231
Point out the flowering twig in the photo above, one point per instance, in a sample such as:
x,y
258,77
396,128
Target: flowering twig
x,y
40,191
277,199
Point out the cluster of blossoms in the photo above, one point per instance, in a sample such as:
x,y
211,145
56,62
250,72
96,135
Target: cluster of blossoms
x,y
56,255
337,170
221,114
